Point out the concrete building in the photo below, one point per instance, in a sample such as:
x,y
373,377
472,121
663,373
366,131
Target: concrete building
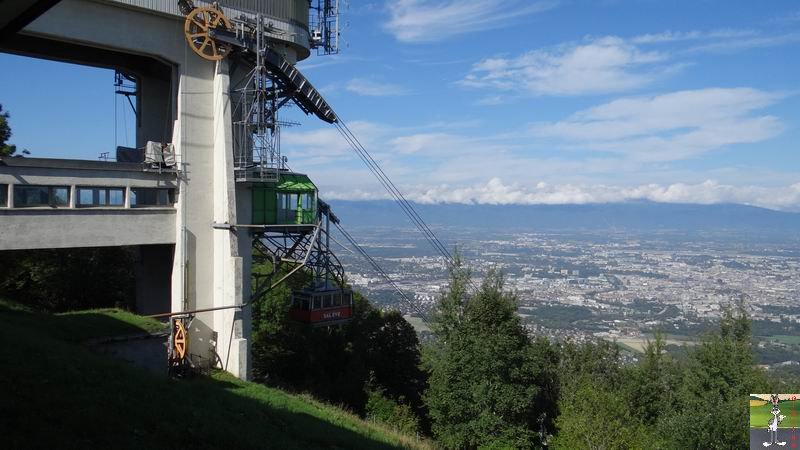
x,y
176,216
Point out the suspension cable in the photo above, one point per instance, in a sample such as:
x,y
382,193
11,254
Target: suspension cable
x,y
413,305
398,196
390,187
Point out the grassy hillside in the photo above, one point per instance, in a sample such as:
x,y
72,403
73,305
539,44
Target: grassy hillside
x,y
760,415
59,394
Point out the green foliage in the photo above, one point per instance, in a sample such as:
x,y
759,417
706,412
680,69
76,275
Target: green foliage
x,y
337,363
711,410
397,416
484,378
696,402
65,279
452,304
593,412
5,135
594,417
650,386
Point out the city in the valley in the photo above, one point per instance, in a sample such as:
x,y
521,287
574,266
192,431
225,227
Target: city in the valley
x,y
617,286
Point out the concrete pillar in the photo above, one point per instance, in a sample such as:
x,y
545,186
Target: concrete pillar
x,y
153,275
73,196
229,265
193,271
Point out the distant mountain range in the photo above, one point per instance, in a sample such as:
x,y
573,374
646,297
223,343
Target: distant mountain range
x,y
630,216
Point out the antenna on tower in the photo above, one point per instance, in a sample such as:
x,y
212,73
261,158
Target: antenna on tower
x,y
324,26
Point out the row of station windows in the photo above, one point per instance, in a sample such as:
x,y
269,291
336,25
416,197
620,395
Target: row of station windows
x,y
28,196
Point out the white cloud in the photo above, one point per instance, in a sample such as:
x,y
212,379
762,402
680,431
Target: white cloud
x,y
325,143
602,65
450,162
435,20
731,45
493,100
678,125
496,192
677,36
371,88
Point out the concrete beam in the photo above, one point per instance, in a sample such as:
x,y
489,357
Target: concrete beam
x,y
26,229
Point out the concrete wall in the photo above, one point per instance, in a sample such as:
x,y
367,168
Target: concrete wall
x,y
24,229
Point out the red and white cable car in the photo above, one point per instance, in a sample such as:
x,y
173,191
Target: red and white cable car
x,y
322,307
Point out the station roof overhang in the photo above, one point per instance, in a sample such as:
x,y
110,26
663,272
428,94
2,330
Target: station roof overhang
x,y
16,15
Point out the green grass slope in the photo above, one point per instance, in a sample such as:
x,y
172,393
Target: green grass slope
x,y
59,394
760,415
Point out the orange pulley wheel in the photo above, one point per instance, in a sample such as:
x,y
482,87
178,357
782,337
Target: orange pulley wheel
x,y
196,28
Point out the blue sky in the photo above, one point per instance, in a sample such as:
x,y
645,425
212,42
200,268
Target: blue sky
x,y
514,101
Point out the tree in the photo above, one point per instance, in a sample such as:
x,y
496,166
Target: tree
x,y
56,279
5,135
720,372
393,357
483,389
374,352
651,385
594,413
595,417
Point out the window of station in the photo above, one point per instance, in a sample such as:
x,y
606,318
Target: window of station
x,y
148,197
3,195
100,196
31,196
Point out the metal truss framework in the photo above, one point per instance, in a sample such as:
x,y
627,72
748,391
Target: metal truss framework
x,y
289,249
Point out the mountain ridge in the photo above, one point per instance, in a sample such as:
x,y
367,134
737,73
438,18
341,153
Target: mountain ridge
x,y
625,216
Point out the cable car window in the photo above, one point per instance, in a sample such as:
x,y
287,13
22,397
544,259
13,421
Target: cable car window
x,y
306,201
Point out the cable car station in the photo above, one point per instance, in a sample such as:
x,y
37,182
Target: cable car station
x,y
206,192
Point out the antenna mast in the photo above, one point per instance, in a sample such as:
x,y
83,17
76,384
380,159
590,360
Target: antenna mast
x,y
324,26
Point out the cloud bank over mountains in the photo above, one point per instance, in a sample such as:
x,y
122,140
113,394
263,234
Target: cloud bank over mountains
x,y
496,192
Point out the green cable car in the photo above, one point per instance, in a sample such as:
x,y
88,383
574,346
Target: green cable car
x,y
290,201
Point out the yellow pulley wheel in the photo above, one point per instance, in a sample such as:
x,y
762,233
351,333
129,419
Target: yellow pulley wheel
x,y
196,28
179,340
